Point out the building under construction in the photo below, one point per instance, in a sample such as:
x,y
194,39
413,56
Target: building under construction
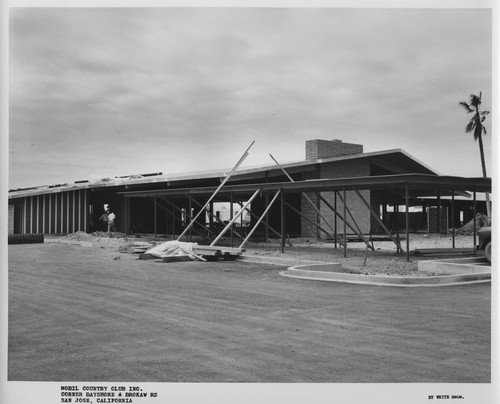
x,y
337,192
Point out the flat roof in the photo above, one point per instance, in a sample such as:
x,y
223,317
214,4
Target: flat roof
x,y
391,159
419,184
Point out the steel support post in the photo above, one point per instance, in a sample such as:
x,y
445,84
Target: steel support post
x,y
345,225
231,214
335,219
337,214
260,219
173,219
377,218
212,216
154,226
175,208
220,186
359,232
407,221
266,221
127,214
257,217
315,206
453,218
474,224
283,224
190,207
396,215
439,212
235,218
167,213
307,218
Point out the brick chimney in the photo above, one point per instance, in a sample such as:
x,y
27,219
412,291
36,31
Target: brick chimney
x,y
320,149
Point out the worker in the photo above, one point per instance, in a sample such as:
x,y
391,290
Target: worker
x,y
111,221
104,218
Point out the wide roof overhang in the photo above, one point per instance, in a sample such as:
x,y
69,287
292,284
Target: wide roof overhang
x,y
418,185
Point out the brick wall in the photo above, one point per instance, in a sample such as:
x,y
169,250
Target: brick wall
x,y
339,169
319,149
432,219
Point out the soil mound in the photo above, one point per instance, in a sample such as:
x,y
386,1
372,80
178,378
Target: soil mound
x,y
468,228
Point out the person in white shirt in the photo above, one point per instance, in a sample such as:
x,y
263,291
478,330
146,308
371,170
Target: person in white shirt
x,y
111,221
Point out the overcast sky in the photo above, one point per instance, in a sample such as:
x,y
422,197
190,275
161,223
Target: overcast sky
x,y
111,92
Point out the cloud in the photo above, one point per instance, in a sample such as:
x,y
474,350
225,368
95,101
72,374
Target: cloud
x,y
189,88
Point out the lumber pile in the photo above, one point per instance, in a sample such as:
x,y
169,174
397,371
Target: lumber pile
x,y
435,252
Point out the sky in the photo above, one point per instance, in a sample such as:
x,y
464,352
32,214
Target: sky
x,y
105,92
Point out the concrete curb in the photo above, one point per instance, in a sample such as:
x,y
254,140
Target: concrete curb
x,y
314,270
456,266
285,262
446,280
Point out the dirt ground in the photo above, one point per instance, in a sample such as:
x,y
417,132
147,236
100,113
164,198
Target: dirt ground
x,y
382,261
94,314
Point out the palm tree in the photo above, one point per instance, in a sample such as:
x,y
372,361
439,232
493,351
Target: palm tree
x,y
476,126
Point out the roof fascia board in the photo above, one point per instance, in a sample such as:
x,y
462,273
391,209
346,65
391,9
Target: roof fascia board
x,y
416,181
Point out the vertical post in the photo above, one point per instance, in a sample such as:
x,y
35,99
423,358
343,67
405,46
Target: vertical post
x,y
189,215
154,226
318,218
43,213
173,219
219,188
335,222
238,216
474,224
396,220
67,212
126,218
439,212
56,216
166,221
345,224
266,221
424,214
231,215
318,205
453,219
283,227
259,220
407,217
384,207
211,217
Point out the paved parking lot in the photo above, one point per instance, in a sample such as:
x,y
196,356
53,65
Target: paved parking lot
x,y
93,314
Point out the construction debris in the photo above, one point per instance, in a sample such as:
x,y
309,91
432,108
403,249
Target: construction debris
x,y
175,251
172,248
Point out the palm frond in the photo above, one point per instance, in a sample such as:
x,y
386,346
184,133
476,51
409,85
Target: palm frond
x,y
484,112
465,106
475,101
470,126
